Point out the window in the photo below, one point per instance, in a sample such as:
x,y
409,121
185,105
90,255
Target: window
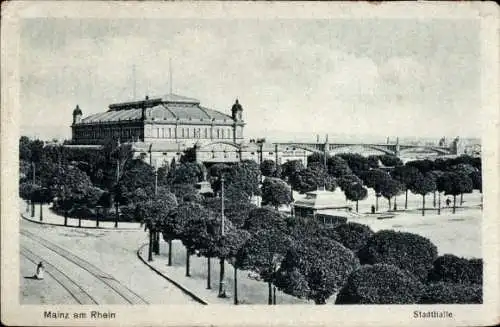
x,y
218,135
170,132
158,133
222,133
206,133
163,133
182,132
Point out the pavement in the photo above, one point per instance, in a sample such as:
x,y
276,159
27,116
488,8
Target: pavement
x,y
250,290
51,218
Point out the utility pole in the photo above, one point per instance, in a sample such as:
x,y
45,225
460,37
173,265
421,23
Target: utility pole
x,y
32,198
134,81
116,202
222,287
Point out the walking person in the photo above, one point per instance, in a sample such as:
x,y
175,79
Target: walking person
x,y
40,269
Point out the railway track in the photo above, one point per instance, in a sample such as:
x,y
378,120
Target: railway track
x,y
75,290
71,286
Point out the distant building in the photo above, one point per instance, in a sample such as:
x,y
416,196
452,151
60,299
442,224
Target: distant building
x,y
162,128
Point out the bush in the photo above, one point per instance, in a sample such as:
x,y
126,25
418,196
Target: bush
x,y
380,284
449,293
452,269
353,235
406,251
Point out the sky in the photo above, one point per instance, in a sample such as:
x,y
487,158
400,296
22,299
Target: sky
x,y
302,77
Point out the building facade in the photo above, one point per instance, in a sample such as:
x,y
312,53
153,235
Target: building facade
x,y
162,128
171,118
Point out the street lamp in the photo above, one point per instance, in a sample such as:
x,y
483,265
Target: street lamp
x,y
222,286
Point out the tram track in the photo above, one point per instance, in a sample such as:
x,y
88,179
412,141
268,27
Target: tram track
x,y
71,286
124,292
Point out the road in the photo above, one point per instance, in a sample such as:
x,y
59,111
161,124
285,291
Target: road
x,y
89,267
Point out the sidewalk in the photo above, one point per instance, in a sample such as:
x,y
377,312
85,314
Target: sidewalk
x,y
250,291
51,218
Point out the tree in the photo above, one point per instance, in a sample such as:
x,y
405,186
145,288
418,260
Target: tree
x,y
423,186
275,192
316,158
389,189
71,187
232,242
351,235
355,192
247,174
291,167
435,174
373,161
263,253
338,167
268,168
186,215
450,293
185,173
311,179
449,268
347,180
453,183
423,166
390,160
315,268
186,193
203,233
356,162
376,179
407,251
406,175
262,219
380,284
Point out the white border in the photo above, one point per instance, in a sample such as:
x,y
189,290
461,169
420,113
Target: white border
x,y
15,314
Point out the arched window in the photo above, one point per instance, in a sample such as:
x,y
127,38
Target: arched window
x,y
218,133
206,133
222,133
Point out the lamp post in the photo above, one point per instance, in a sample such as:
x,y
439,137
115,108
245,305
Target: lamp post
x,y
156,234
222,286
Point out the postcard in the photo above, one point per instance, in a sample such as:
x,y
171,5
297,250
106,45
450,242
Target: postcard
x,y
249,163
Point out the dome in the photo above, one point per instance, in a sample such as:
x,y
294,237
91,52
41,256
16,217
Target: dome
x,y
77,111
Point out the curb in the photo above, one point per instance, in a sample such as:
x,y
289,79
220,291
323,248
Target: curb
x,y
23,215
179,286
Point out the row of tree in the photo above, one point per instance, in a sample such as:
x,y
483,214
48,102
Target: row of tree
x,y
386,175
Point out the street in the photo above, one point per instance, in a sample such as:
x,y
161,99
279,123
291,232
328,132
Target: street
x,y
89,267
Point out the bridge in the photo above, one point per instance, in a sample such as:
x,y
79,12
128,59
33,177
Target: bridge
x,y
396,149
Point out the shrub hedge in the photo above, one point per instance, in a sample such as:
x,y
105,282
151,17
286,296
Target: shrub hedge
x,y
450,293
406,251
452,269
380,284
